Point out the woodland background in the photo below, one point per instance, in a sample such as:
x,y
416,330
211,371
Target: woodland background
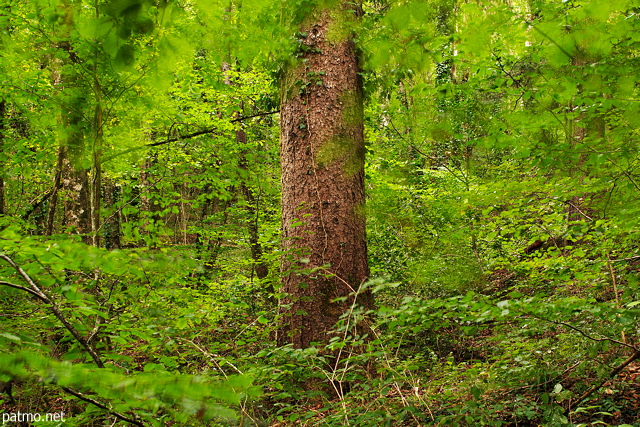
x,y
140,238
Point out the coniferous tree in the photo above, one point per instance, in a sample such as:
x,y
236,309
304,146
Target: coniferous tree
x,y
322,160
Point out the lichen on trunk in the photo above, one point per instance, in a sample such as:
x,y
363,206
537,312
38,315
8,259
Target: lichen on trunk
x,y
322,160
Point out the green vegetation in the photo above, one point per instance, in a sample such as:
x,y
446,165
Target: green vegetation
x,y
140,220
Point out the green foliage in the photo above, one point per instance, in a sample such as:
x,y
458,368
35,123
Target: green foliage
x,y
503,205
156,394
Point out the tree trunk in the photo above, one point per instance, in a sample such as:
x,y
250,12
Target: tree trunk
x,y
96,169
112,231
322,160
259,266
75,178
57,184
2,131
75,184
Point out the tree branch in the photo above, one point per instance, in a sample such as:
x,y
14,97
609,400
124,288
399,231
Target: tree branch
x,y
612,374
266,113
35,290
22,288
584,334
102,406
206,131
39,203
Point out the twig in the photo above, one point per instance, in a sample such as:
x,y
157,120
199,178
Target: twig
x,y
625,259
586,335
552,380
22,288
239,119
206,131
36,291
211,356
183,137
101,406
612,374
587,217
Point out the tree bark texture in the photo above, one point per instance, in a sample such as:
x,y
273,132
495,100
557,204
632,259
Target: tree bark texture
x,y
322,161
75,178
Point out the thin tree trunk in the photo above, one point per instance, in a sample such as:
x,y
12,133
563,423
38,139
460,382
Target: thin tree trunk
x,y
51,214
75,179
322,160
2,136
98,127
112,232
259,266
96,176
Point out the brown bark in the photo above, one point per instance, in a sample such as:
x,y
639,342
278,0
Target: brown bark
x,y
322,160
96,170
75,179
75,184
57,184
112,232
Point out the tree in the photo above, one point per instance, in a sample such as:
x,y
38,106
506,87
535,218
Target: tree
x,y
322,161
2,130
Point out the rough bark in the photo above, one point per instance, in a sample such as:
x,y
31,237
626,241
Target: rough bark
x,y
75,184
322,160
75,178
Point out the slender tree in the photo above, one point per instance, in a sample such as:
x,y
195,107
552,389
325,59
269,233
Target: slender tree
x,y
322,160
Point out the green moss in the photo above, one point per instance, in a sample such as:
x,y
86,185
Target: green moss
x,y
341,26
343,147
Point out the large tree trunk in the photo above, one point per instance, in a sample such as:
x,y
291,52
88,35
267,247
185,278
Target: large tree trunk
x,y
322,160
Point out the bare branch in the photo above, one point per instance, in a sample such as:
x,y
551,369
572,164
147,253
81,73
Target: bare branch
x,y
584,334
22,288
266,113
207,131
